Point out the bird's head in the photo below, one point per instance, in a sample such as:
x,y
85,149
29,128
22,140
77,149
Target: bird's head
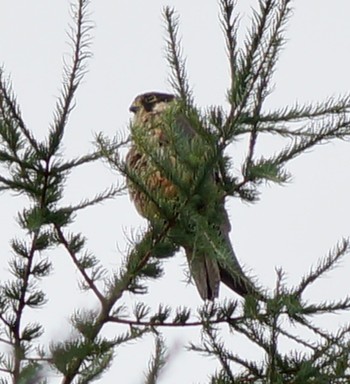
x,y
150,102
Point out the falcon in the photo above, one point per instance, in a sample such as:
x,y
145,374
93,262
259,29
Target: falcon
x,y
150,135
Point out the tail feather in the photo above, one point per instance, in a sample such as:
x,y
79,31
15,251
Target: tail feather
x,y
232,274
205,273
239,284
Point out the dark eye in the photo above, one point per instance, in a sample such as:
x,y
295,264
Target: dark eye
x,y
150,99
148,102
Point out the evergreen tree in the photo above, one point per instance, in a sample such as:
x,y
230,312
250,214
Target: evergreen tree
x,y
39,170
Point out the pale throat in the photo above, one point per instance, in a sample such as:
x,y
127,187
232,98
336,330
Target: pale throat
x,y
160,107
143,116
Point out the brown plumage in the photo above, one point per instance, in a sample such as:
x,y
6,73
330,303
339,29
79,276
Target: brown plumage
x,y
206,271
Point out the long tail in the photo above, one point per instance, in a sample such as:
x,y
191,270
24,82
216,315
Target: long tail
x,y
231,272
235,279
205,273
207,270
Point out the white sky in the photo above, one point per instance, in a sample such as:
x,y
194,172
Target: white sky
x,y
291,226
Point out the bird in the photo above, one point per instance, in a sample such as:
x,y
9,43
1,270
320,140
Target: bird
x,y
150,135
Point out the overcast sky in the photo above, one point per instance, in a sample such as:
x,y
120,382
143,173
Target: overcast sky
x,y
291,227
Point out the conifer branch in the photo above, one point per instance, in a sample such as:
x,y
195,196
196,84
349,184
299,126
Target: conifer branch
x,y
331,106
70,249
21,304
265,67
217,349
107,194
333,129
299,340
157,362
74,163
173,324
274,334
136,266
10,113
229,24
246,73
177,64
73,73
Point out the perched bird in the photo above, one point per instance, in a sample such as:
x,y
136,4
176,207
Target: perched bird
x,y
148,130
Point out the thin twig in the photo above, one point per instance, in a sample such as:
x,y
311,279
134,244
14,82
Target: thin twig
x,y
73,256
75,72
6,94
114,319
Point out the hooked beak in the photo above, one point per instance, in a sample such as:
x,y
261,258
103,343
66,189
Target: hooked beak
x,y
133,108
